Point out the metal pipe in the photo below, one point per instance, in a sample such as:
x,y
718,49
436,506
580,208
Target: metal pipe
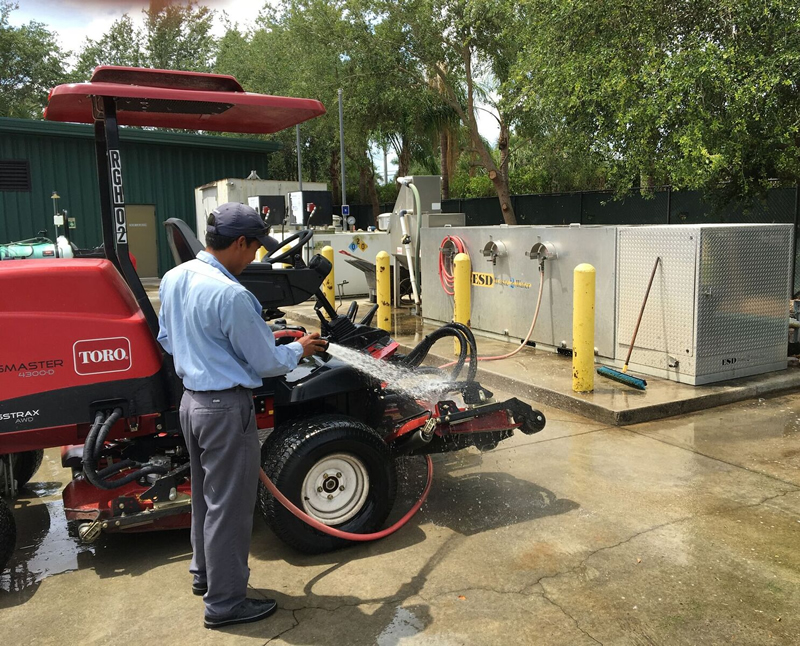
x,y
583,328
418,212
383,288
299,160
409,183
409,258
341,155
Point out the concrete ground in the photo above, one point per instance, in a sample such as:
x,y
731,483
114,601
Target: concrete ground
x,y
680,531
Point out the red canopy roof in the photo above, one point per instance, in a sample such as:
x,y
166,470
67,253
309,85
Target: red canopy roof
x,y
177,99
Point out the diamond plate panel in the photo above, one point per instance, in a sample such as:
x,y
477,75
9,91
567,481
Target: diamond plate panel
x,y
667,326
743,283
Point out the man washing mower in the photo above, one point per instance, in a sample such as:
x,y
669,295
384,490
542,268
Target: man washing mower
x,y
222,349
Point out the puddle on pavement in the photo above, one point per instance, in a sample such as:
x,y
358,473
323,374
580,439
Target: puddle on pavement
x,y
44,546
404,624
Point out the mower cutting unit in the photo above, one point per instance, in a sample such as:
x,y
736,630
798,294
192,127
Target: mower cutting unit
x,y
84,370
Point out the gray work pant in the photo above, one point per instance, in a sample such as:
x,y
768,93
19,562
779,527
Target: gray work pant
x,y
221,435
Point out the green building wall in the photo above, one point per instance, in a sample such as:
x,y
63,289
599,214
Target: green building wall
x,y
159,168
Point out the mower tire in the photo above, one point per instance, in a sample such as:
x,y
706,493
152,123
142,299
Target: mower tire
x,y
8,534
26,464
334,468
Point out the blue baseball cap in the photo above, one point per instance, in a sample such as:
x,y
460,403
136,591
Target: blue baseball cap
x,y
233,219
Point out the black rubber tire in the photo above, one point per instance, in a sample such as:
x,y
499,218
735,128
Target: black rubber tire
x,y
8,534
289,453
26,464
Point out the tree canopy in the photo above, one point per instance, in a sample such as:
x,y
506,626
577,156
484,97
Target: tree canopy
x,y
621,94
31,62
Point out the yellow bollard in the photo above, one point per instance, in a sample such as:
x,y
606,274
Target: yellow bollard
x,y
329,286
462,284
383,288
260,254
583,329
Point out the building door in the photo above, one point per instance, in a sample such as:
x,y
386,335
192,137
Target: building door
x,y
142,238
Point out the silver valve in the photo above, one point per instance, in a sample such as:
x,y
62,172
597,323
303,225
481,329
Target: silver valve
x,y
493,250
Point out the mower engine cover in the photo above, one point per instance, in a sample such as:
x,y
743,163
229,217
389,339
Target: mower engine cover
x,y
74,336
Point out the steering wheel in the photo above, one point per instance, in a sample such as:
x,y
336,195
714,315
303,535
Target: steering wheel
x,y
301,238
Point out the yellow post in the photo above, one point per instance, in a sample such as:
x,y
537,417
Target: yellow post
x,y
383,287
583,329
329,286
462,284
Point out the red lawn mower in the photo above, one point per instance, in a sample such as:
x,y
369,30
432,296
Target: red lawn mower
x,y
84,370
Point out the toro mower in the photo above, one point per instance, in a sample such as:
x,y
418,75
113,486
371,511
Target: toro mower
x,y
85,372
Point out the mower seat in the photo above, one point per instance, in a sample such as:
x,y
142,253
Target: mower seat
x,y
182,241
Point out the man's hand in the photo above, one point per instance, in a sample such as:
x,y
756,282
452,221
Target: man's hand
x,y
312,344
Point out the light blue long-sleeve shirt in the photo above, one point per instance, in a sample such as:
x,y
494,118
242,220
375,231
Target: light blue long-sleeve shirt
x,y
211,325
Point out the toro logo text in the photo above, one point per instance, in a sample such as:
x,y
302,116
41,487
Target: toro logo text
x,y
98,356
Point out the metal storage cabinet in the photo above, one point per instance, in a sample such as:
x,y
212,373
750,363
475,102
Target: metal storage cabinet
x,y
718,307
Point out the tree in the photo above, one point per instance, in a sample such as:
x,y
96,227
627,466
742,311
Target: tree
x,y
120,45
703,94
31,63
174,36
179,36
461,43
289,53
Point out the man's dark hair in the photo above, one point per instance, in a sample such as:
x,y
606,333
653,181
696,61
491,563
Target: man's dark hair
x,y
218,242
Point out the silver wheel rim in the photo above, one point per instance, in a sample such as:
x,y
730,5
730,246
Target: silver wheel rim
x,y
335,488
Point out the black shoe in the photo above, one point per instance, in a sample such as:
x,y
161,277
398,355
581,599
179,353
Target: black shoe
x,y
199,589
247,611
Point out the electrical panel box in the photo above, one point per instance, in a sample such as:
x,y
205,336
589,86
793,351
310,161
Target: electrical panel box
x,y
271,207
300,208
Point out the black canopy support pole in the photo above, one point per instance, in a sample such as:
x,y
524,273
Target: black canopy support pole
x,y
103,178
113,205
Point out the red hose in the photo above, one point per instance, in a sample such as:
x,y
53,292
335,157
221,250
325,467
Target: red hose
x,y
445,277
348,535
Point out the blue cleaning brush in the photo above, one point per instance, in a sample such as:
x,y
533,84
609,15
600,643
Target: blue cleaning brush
x,y
623,378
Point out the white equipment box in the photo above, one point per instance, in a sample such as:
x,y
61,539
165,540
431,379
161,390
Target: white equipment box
x,y
211,195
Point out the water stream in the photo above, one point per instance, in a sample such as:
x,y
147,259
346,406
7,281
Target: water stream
x,y
401,379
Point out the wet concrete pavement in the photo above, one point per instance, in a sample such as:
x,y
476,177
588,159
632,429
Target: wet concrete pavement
x,y
680,531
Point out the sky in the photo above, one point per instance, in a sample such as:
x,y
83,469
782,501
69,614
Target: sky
x,y
74,21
